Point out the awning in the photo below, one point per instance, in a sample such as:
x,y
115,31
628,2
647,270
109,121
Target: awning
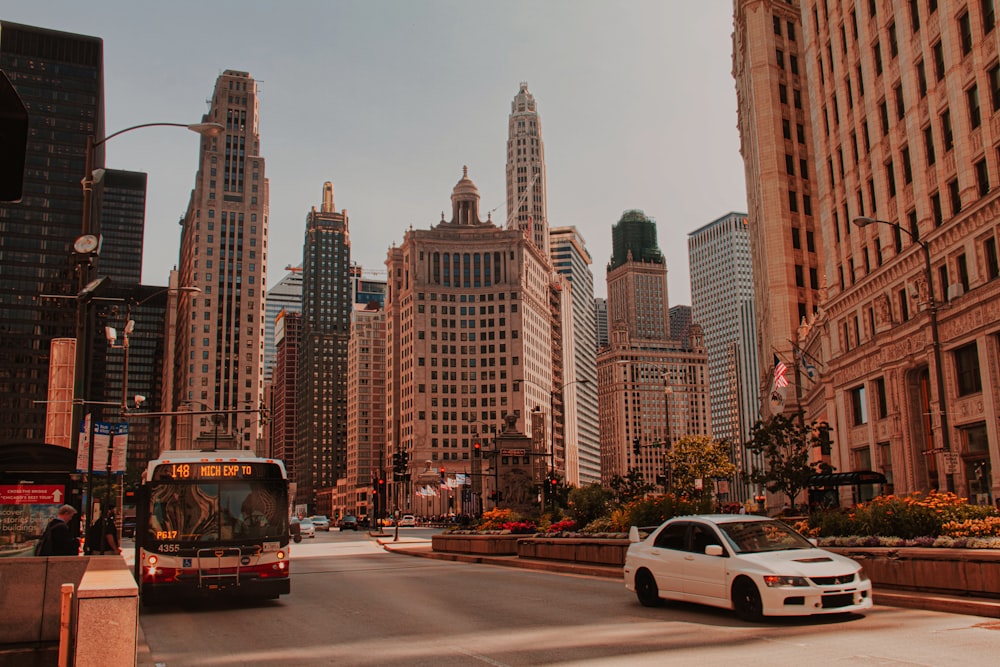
x,y
845,479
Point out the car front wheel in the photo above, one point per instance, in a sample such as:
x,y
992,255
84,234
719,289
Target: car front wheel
x,y
646,589
746,601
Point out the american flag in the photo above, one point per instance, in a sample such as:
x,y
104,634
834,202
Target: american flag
x,y
779,373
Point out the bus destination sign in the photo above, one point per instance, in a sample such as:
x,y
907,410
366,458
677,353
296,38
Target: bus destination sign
x,y
216,470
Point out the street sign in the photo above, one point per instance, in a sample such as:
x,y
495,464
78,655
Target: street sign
x,y
936,450
513,452
950,460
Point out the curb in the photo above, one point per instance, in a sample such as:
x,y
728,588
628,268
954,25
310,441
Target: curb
x,y
973,606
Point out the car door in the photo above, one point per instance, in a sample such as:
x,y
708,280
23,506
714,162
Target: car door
x,y
666,558
705,576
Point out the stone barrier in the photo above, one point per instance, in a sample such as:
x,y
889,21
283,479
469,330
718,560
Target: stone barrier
x,y
482,545
972,572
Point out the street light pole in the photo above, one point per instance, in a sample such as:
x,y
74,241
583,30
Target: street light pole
x,y
864,221
80,363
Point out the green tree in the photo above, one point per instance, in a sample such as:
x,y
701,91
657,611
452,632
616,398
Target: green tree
x,y
696,457
588,503
785,444
630,487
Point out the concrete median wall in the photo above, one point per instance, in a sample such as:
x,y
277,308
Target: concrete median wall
x,y
105,607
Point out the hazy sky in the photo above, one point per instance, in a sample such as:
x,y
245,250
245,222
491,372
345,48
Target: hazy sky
x,y
389,99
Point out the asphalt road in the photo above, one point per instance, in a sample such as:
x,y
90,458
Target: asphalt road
x,y
352,603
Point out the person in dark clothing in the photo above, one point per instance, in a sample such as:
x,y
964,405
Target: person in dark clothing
x,y
102,538
57,539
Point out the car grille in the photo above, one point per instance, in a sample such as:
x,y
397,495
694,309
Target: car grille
x,y
833,581
839,600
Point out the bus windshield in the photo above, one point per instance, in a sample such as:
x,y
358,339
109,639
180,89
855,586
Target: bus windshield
x,y
217,511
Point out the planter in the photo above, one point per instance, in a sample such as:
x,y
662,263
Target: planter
x,y
481,545
574,550
974,572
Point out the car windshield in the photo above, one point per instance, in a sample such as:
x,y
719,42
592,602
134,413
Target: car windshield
x,y
757,536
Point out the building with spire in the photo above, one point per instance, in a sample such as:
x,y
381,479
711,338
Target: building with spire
x,y
327,304
526,207
652,389
223,251
469,330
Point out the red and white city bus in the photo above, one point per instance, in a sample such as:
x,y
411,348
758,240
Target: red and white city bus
x,y
212,523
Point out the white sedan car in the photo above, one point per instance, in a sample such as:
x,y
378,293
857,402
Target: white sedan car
x,y
755,565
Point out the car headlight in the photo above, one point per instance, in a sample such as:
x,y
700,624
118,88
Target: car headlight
x,y
774,580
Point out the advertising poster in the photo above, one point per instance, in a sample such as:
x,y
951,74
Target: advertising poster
x,y
25,510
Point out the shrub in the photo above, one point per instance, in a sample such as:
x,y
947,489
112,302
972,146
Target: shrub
x,y
561,526
603,525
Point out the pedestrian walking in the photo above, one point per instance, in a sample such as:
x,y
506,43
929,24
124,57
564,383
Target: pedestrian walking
x,y
57,540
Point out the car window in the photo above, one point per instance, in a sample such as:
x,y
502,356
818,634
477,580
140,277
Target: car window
x,y
701,537
671,537
752,536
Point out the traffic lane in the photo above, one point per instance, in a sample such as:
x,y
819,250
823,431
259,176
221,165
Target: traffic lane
x,y
394,609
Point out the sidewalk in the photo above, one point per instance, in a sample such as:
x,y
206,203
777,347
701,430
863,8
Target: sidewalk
x,y
954,604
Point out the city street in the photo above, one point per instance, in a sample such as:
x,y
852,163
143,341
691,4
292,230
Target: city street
x,y
352,603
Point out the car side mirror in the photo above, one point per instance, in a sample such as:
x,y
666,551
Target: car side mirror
x,y
713,550
633,534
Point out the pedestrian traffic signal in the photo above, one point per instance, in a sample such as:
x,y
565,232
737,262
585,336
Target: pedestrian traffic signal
x,y
636,447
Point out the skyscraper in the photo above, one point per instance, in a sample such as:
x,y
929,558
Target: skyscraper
x,y
526,206
220,332
282,393
722,303
366,455
571,260
321,457
285,295
38,232
781,172
901,107
653,389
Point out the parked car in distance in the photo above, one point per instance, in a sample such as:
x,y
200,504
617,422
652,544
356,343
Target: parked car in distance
x,y
408,520
348,522
128,526
306,528
755,565
320,521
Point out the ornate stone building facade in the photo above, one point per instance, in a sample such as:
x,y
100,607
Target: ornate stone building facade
x,y
902,358
468,341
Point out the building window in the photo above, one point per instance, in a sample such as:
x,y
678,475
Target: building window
x,y
972,96
946,131
929,145
880,396
967,373
859,406
956,197
992,258
982,178
965,30
938,51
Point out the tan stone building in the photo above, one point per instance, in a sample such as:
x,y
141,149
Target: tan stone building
x,y
652,389
220,332
469,327
905,131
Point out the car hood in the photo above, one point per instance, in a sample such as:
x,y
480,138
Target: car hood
x,y
802,562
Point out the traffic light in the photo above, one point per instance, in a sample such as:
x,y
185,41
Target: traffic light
x,y
476,450
441,470
636,447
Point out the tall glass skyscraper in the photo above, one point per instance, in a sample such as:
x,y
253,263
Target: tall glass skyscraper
x,y
59,77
